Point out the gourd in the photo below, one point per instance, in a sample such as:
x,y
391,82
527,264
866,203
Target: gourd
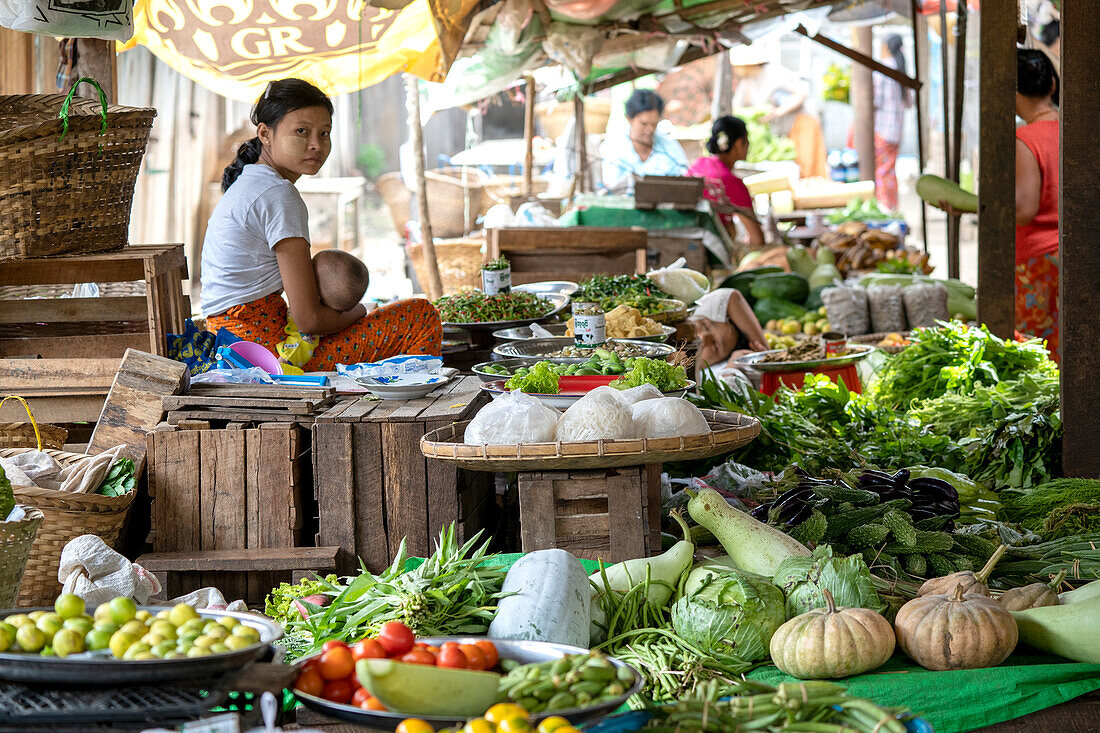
x,y
957,631
935,189
751,544
970,581
1036,595
829,643
546,597
1084,593
1071,631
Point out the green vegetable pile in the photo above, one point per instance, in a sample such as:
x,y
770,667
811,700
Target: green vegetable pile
x,y
803,580
279,604
763,144
120,480
636,291
1046,508
544,376
662,375
477,307
861,210
539,379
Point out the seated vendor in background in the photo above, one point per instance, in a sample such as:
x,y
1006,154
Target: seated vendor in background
x,y
257,246
727,328
728,144
643,150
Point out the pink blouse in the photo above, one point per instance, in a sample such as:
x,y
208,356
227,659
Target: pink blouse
x,y
721,187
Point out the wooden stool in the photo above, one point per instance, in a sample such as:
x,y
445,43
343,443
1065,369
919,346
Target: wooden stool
x,y
374,487
771,381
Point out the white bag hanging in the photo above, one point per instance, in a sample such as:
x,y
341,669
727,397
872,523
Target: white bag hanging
x,y
111,20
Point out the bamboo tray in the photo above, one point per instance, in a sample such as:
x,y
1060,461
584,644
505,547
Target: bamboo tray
x,y
728,432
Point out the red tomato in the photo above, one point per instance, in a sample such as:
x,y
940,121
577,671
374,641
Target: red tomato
x,y
337,691
373,704
450,655
419,656
313,663
309,682
354,681
360,697
475,656
489,649
396,638
367,649
337,663
333,644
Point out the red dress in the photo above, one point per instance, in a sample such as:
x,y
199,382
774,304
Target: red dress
x,y
721,186
1037,242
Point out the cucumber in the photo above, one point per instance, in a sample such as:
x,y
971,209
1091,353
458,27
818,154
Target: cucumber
x,y
935,189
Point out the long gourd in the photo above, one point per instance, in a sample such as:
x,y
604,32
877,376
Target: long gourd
x,y
546,598
1071,631
752,545
1084,593
935,189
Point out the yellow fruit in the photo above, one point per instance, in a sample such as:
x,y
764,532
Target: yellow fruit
x,y
69,605
135,627
229,622
480,725
145,617
414,725
7,636
83,624
771,325
30,638
175,655
163,614
194,625
553,723
152,639
122,609
218,648
505,711
97,639
161,650
164,628
204,642
181,613
237,642
107,626
138,647
68,641
143,656
35,615
514,725
216,632
809,329
821,310
246,632
198,651
120,642
19,619
791,327
50,624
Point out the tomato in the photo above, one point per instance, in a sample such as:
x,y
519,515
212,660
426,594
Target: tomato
x,y
475,656
333,644
337,691
359,697
337,663
451,655
355,683
419,656
489,649
309,682
314,663
367,649
373,704
396,638
414,725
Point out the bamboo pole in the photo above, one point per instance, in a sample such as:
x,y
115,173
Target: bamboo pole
x,y
416,135
863,104
580,178
529,136
920,33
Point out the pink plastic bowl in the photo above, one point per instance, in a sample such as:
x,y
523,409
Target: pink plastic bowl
x,y
258,356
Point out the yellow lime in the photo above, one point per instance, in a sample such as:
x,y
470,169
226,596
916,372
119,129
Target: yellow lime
x,y
504,711
217,632
68,641
30,638
162,649
163,614
194,625
19,619
135,627
553,723
246,632
107,626
145,617
164,628
120,642
97,639
69,605
175,654
514,725
35,615
218,648
237,642
138,647
143,656
479,725
198,651
83,624
229,622
50,624
7,636
181,613
121,610
204,642
152,639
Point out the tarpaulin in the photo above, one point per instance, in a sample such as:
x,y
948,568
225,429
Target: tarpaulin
x,y
235,47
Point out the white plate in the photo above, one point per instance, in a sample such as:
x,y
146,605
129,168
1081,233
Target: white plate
x,y
405,386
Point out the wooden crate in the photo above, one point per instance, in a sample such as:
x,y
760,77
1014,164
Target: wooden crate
x,y
677,192
609,514
374,486
568,253
665,248
227,489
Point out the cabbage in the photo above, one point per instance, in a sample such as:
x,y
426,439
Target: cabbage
x,y
848,578
732,611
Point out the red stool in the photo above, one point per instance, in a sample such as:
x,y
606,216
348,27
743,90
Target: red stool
x,y
794,380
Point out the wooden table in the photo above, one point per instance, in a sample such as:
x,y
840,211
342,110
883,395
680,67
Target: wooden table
x,y
374,486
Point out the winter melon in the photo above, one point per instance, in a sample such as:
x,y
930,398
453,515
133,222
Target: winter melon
x,y
421,689
935,189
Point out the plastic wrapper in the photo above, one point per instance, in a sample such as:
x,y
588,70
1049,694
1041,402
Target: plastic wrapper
x,y
513,417
573,47
602,414
886,305
847,311
395,366
255,375
111,20
668,417
925,304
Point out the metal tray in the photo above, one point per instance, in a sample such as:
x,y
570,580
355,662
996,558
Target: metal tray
x,y
523,333
540,348
94,670
565,287
524,652
856,352
559,300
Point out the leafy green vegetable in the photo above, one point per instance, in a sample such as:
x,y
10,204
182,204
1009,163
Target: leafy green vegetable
x,y
728,610
1031,507
541,379
763,144
659,373
636,291
802,580
860,210
119,480
279,604
7,497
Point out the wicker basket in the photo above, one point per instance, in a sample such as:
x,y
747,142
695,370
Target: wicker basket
x,y
65,516
459,263
391,187
501,189
456,198
16,539
67,192
30,434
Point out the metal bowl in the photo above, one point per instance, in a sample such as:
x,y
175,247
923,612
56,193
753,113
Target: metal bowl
x,y
856,352
558,300
523,333
524,652
565,287
94,669
541,348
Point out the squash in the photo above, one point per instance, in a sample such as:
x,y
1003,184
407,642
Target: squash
x,y
1036,595
970,581
1084,593
957,631
829,643
546,597
935,189
781,285
422,689
1071,631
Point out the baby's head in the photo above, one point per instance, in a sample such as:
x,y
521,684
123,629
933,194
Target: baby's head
x,y
342,279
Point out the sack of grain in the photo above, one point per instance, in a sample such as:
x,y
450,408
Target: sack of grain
x,y
846,309
925,304
887,307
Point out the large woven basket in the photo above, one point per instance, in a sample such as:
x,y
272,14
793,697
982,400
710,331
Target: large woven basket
x,y
31,434
459,263
67,191
456,198
65,516
16,540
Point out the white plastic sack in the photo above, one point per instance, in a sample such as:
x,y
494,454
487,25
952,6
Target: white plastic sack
x,y
499,216
96,573
111,20
533,214
210,599
514,417
573,47
680,282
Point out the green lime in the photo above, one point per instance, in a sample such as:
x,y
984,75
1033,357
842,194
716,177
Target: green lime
x,y
218,648
175,654
83,624
97,639
30,638
161,650
7,636
152,639
194,625
69,605
19,619
198,651
217,632
237,642
138,647
247,632
229,622
107,626
204,642
122,609
135,627
35,615
50,624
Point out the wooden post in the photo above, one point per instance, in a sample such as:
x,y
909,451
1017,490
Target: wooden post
x,y
529,136
1079,217
863,104
920,45
97,60
16,62
416,135
581,176
722,99
997,173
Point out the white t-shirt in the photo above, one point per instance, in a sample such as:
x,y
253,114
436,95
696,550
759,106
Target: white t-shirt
x,y
258,211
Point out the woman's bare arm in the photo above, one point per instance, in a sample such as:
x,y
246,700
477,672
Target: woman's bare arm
x,y
1029,185
300,284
